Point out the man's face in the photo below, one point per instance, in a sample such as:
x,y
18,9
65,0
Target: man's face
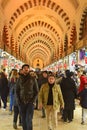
x,y
51,79
25,70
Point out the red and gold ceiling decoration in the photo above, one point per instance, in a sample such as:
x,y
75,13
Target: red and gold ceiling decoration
x,y
34,30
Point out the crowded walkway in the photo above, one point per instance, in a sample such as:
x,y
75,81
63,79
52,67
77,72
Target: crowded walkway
x,y
6,121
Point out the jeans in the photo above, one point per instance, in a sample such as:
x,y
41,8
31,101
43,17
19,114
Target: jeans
x,y
16,114
27,111
11,100
4,99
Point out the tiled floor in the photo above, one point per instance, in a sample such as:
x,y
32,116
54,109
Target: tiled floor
x,y
40,124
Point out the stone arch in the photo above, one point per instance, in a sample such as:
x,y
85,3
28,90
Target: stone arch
x,y
84,16
33,3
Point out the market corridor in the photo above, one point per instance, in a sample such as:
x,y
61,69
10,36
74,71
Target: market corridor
x,y
40,123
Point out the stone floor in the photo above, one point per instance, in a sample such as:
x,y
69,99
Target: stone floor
x,y
40,123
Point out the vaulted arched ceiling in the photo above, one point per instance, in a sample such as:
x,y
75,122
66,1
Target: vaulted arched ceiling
x,y
38,26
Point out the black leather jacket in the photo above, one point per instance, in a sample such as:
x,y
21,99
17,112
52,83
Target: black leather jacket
x,y
26,89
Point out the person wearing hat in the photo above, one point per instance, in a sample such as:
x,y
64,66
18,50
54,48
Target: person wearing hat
x,y
26,91
50,97
83,102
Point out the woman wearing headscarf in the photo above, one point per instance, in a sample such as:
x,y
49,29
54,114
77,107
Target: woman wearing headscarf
x,y
69,92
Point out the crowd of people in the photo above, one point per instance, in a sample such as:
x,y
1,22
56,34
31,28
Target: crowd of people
x,y
27,90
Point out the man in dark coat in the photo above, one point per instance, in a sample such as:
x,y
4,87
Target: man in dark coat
x,y
27,91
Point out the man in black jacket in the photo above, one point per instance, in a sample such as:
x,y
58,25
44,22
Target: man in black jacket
x,y
27,91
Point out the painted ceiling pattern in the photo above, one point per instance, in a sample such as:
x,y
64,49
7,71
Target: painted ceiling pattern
x,y
41,30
